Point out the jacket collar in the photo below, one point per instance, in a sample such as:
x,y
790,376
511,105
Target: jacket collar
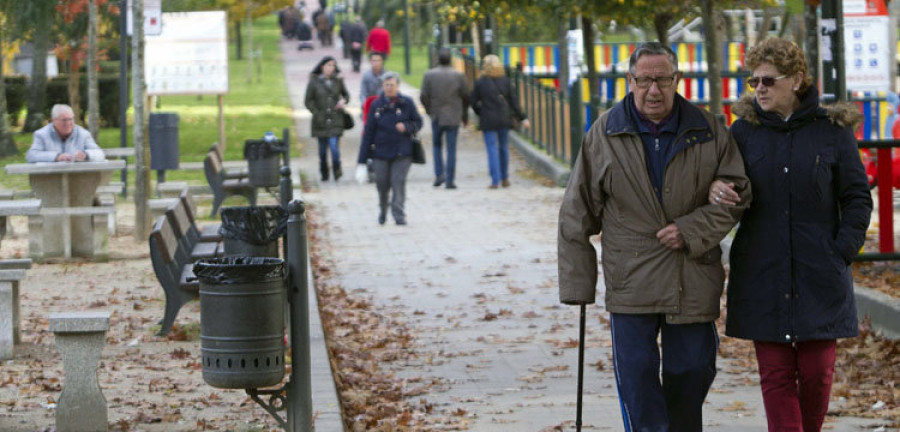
x,y
620,122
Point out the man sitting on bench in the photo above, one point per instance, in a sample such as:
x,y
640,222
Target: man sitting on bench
x,y
63,141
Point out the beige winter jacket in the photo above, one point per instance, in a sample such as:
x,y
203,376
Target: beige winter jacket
x,y
610,192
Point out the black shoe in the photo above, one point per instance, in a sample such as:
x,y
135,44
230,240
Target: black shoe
x,y
381,219
401,222
338,173
451,186
438,181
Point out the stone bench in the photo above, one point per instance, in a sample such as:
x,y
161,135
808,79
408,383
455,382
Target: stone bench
x,y
100,216
106,197
171,189
9,207
11,274
80,337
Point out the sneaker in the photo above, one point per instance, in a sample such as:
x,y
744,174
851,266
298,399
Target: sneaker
x,y
451,186
493,186
504,183
438,181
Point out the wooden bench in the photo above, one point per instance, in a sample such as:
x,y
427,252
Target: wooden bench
x,y
173,269
189,237
229,173
223,188
209,232
171,189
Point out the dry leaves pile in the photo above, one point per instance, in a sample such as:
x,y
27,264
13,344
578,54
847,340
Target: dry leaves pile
x,y
361,342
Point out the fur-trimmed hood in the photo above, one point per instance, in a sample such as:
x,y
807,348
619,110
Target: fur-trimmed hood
x,y
843,114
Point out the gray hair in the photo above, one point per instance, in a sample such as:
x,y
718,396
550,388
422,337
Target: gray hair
x,y
390,75
60,109
651,48
379,23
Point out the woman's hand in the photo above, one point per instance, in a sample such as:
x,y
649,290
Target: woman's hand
x,y
723,193
526,124
340,104
401,127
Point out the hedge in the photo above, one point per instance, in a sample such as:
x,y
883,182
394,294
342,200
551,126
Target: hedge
x,y
58,92
15,96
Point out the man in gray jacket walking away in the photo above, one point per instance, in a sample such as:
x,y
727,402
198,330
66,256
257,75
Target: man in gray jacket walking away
x,y
445,95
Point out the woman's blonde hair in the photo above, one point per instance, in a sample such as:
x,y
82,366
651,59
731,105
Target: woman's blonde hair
x,y
492,67
784,55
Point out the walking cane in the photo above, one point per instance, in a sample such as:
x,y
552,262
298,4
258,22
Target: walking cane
x,y
580,370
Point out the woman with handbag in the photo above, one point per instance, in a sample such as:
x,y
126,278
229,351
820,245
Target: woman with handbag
x,y
326,97
495,102
388,139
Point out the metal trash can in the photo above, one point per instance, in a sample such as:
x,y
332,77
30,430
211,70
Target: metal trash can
x,y
253,230
163,134
241,321
263,156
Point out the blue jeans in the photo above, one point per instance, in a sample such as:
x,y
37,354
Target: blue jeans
x,y
451,132
324,144
497,145
675,403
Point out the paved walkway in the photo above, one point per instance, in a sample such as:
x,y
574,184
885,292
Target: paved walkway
x,y
474,277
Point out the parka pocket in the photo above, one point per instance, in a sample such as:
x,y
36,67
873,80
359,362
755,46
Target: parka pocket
x,y
833,256
822,173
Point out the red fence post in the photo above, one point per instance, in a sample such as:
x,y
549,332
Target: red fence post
x,y
885,201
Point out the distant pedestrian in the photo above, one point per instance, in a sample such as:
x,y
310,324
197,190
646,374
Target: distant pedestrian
x,y
323,28
445,95
304,35
640,181
790,289
371,79
326,97
497,106
356,37
387,139
379,40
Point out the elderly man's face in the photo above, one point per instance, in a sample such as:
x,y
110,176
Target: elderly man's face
x,y
654,83
64,123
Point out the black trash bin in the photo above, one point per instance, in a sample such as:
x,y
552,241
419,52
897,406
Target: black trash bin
x,y
241,321
253,230
262,161
163,134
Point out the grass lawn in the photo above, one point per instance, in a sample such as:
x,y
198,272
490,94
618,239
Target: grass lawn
x,y
250,110
418,63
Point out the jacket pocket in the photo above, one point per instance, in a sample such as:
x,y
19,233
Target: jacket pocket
x,y
822,172
835,259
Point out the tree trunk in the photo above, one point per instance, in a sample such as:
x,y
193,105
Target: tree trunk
x,y
786,22
238,41
587,29
141,141
37,88
476,44
713,52
7,145
764,27
661,23
93,95
249,44
563,43
73,85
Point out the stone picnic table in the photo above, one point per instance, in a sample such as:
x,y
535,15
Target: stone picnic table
x,y
66,224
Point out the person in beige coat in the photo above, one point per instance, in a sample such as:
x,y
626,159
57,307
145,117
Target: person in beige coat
x,y
641,181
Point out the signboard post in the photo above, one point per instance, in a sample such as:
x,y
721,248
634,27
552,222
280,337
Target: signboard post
x,y
867,40
152,18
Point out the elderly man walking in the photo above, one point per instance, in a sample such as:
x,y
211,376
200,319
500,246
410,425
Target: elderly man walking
x,y
63,141
445,96
641,181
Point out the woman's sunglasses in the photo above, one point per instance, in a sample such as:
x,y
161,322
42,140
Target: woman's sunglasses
x,y
766,80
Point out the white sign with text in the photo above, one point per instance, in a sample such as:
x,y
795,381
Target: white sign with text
x,y
190,56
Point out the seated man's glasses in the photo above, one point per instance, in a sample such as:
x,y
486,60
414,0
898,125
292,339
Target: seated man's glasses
x,y
661,82
65,120
765,80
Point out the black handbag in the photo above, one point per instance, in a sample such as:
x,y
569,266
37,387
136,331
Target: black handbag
x,y
348,120
418,154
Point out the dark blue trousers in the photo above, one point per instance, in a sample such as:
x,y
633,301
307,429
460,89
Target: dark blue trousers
x,y
673,403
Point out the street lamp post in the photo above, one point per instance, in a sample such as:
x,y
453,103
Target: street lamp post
x,y
406,36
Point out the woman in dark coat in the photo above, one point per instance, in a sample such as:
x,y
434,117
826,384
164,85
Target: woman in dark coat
x,y
495,102
391,122
326,97
790,289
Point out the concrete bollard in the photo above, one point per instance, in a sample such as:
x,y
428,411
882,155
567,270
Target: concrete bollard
x,y
80,337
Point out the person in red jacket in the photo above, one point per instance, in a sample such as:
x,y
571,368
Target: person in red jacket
x,y
379,40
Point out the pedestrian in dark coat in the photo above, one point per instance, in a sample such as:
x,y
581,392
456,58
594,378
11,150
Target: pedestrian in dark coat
x,y
356,37
497,106
326,97
790,289
445,95
387,139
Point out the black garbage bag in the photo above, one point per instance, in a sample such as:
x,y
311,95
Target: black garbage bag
x,y
257,149
238,270
257,225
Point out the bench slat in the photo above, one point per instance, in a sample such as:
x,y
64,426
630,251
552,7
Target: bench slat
x,y
77,211
29,207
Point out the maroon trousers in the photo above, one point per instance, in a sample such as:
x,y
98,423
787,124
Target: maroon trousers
x,y
796,383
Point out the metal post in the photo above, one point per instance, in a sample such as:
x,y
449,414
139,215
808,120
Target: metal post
x,y
287,195
299,393
286,140
123,90
406,36
833,76
577,124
